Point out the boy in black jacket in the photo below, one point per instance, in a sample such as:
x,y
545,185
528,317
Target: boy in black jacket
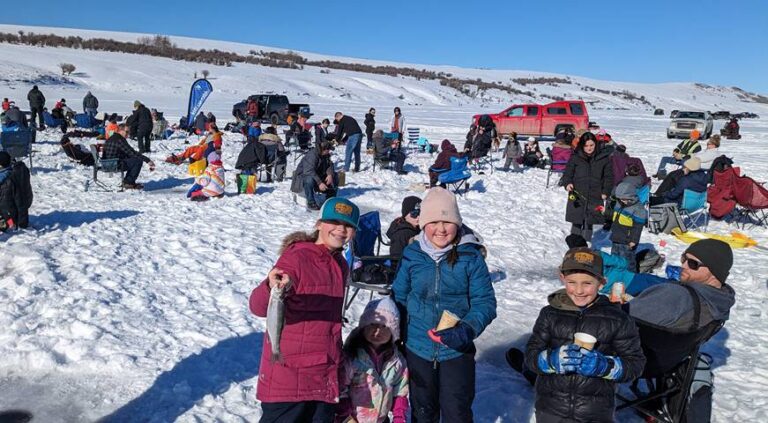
x,y
15,193
403,229
576,383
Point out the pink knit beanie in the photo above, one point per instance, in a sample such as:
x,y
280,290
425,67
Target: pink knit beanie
x,y
439,206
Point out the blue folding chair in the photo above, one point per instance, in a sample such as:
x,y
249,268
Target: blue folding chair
x,y
18,144
644,194
49,120
694,207
456,177
84,121
362,251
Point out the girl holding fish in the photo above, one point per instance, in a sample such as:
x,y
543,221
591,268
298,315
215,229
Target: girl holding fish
x,y
302,298
443,272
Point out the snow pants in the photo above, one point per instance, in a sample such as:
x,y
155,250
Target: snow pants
x,y
445,389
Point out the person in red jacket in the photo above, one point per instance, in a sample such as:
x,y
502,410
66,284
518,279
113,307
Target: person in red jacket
x,y
304,385
443,161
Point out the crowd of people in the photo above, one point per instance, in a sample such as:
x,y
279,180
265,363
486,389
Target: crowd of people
x,y
400,360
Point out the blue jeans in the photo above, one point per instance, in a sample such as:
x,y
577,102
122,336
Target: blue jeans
x,y
353,146
91,111
661,171
627,253
132,168
310,187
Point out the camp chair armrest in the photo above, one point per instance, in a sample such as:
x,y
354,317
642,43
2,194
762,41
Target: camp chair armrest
x,y
432,169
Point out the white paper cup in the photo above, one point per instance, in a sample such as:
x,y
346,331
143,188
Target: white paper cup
x,y
584,340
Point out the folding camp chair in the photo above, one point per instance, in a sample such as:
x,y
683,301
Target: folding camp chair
x,y
456,177
84,120
694,208
414,133
362,255
752,198
555,166
50,121
671,361
106,166
18,144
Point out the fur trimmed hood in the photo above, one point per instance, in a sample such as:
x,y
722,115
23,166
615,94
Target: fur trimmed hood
x,y
295,237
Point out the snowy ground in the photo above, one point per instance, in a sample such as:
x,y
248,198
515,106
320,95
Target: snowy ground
x,y
133,305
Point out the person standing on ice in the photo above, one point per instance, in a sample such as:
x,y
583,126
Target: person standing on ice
x,y
36,105
588,178
304,386
90,104
443,271
370,126
397,124
348,131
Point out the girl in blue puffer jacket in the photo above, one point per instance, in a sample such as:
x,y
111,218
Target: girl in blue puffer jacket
x,y
444,270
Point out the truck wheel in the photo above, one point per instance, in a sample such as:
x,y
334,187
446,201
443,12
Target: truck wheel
x,y
274,118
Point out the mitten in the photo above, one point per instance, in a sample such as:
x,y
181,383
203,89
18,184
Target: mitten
x,y
457,338
596,364
562,360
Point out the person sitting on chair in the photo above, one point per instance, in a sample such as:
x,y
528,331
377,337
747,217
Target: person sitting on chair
x,y
692,178
532,153
405,228
14,117
682,152
315,173
116,147
386,150
443,161
76,152
706,265
708,155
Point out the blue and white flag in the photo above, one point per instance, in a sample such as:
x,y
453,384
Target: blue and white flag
x,y
200,91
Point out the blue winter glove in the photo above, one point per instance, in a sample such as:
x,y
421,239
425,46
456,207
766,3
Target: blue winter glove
x,y
562,360
673,272
596,364
457,338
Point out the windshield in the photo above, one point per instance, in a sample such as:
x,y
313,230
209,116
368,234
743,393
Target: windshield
x,y
690,115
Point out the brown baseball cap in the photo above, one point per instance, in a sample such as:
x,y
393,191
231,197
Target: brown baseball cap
x,y
583,259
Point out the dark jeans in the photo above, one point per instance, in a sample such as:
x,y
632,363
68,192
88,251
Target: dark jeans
x,y
143,138
37,111
627,253
298,412
399,158
584,230
132,168
310,187
446,391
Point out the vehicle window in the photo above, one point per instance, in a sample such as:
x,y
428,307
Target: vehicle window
x,y
690,115
280,100
576,109
556,111
515,111
532,111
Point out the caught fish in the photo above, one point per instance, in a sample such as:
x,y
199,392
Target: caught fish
x,y
276,320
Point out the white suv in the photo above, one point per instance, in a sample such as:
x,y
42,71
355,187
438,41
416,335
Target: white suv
x,y
685,122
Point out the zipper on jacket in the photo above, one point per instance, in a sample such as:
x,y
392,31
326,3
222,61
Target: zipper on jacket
x,y
571,404
437,311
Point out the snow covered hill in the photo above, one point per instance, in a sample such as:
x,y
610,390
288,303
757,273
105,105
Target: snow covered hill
x,y
133,305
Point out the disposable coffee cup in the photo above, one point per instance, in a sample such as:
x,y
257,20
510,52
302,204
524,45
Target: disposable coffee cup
x,y
584,340
447,321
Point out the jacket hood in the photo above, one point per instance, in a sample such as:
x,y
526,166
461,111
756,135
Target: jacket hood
x,y
269,137
626,191
294,238
446,145
719,301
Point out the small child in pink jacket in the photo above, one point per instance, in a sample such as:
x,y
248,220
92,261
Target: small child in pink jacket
x,y
374,376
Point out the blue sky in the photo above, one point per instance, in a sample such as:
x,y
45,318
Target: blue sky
x,y
642,41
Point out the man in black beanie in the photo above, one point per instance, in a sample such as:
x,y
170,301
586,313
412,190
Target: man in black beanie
x,y
403,229
706,265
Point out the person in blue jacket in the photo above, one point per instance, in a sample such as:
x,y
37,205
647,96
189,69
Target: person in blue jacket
x,y
694,179
443,270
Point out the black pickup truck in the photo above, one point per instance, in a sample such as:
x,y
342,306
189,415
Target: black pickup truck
x,y
272,108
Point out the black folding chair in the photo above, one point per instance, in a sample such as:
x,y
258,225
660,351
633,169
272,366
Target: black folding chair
x,y
18,144
109,166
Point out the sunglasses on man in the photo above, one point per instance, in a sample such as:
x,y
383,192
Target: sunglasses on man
x,y
692,264
416,211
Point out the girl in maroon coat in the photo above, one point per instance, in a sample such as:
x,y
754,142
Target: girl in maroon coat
x,y
304,385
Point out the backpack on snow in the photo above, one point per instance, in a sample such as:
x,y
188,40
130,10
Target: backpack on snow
x,y
664,218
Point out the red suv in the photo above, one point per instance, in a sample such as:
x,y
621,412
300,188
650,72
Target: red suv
x,y
541,119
